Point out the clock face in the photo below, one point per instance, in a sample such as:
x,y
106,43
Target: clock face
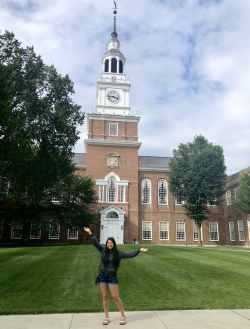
x,y
113,96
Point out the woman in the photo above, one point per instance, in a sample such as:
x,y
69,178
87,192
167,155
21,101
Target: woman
x,y
110,260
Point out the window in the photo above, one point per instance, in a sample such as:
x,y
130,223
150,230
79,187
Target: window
x,y
120,66
113,129
162,192
164,232
229,198
106,69
16,231
1,228
209,204
195,232
213,231
4,189
112,190
231,231
235,192
54,231
35,232
146,191
72,233
56,198
241,230
101,193
180,231
74,198
122,194
112,214
114,65
178,201
146,230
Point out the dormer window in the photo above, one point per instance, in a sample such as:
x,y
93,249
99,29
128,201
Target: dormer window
x,y
114,65
120,66
106,65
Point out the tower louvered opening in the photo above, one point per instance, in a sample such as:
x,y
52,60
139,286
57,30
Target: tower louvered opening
x,y
120,66
114,65
106,65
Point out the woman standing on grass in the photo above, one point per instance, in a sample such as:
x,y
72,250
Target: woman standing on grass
x,y
110,260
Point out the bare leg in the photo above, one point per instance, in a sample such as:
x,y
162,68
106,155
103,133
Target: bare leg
x,y
115,295
105,298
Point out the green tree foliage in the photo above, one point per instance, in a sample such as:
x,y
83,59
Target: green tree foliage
x,y
242,199
197,176
38,129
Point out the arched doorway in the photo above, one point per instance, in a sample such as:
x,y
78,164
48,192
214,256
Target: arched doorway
x,y
112,224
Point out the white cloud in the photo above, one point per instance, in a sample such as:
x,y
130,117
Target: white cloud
x,y
188,63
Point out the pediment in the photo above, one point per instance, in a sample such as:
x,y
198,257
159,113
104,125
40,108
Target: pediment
x,y
119,211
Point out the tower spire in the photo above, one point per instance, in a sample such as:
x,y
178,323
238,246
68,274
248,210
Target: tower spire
x,y
114,34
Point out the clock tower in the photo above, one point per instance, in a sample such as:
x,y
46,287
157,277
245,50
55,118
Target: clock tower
x,y
112,89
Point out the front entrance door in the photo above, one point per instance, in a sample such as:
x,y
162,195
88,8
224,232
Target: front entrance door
x,y
112,231
112,221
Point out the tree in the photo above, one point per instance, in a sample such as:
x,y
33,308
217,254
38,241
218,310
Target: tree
x,y
197,176
242,197
38,124
66,204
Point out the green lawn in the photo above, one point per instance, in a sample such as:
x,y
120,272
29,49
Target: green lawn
x,y
58,279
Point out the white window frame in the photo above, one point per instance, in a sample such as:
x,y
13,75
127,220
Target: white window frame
x,y
32,236
229,197
150,224
101,193
241,230
18,226
111,126
1,228
122,194
181,224
56,198
166,188
231,231
142,192
51,231
72,234
211,205
195,231
161,230
116,190
178,202
210,231
235,192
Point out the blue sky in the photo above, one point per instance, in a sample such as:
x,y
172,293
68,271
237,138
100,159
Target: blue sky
x,y
188,63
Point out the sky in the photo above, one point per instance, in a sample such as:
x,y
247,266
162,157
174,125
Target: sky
x,y
188,62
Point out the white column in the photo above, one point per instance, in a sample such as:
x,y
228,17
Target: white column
x,y
117,65
99,96
127,98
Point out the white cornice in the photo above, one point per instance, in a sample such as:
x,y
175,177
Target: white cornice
x,y
233,182
112,143
153,169
113,117
81,166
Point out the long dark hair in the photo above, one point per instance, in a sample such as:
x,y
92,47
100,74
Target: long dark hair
x,y
115,253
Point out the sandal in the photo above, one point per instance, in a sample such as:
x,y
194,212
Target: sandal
x,y
106,321
123,320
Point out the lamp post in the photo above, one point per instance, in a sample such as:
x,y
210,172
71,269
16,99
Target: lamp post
x,y
185,231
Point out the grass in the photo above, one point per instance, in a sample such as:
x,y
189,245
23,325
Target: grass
x,y
60,279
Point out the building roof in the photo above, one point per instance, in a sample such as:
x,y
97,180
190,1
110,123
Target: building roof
x,y
153,162
79,159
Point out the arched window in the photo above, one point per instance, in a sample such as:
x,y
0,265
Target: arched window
x,y
112,214
120,66
112,190
114,65
106,65
162,192
146,191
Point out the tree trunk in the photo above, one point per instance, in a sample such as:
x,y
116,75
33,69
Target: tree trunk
x,y
198,225
24,231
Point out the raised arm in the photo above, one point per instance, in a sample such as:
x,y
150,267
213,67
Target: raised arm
x,y
93,239
132,253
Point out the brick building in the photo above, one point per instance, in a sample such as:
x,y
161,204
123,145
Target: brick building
x,y
134,202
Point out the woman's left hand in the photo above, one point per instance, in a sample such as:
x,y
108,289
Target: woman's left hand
x,y
144,249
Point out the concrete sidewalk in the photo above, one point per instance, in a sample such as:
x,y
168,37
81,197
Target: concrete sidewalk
x,y
204,319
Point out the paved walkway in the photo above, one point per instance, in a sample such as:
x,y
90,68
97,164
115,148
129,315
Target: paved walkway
x,y
205,319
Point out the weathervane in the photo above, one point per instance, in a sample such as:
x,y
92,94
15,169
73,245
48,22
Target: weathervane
x,y
115,9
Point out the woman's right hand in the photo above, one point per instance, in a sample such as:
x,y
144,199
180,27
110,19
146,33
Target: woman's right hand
x,y
86,229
